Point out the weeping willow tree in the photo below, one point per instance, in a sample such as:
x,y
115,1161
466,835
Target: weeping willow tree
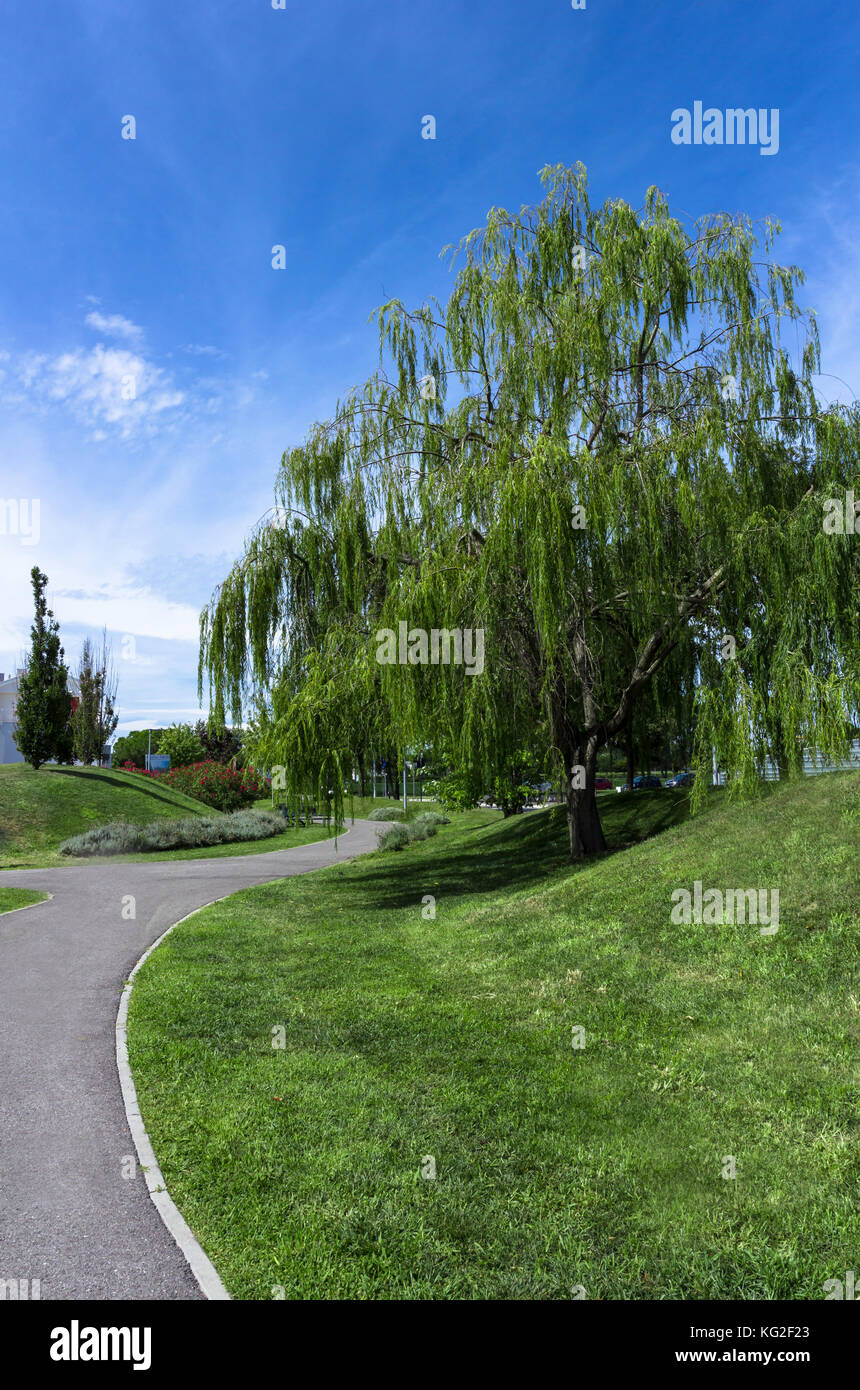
x,y
599,454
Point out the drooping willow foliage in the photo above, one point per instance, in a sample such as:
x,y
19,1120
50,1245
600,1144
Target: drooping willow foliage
x,y
606,452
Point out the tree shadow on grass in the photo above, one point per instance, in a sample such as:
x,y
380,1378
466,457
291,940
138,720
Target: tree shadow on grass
x,y
516,853
143,786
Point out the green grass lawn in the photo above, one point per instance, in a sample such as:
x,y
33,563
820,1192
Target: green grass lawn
x,y
556,1167
39,810
13,898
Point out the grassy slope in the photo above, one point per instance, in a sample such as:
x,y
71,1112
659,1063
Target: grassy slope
x,y
556,1167
38,810
13,898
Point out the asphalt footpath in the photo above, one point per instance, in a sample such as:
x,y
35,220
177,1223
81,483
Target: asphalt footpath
x,y
68,1217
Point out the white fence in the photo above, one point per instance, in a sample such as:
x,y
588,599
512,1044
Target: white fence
x,y
812,767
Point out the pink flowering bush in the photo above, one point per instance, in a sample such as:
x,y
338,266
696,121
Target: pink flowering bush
x,y
215,784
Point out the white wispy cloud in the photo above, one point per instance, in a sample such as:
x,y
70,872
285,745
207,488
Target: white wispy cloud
x,y
824,241
123,609
117,391
115,326
102,387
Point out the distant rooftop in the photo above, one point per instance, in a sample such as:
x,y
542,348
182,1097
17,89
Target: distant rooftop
x,y
10,683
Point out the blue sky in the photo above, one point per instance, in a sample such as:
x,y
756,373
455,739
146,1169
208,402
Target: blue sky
x,y
149,260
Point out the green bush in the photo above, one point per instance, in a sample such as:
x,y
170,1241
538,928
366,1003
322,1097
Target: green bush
x,y
396,837
455,792
186,832
386,813
431,818
510,796
220,787
221,745
182,745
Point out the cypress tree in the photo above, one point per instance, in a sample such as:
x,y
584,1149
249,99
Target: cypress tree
x,y
44,703
95,718
85,720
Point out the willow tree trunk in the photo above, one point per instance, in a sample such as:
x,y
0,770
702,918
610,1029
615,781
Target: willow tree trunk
x,y
583,818
631,765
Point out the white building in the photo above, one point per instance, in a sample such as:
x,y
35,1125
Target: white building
x,y
8,705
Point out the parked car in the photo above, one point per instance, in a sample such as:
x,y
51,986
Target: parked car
x,y
602,784
683,779
640,782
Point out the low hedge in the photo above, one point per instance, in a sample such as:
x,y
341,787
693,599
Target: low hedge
x,y
398,836
186,832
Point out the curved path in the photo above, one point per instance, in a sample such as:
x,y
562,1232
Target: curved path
x,y
68,1217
